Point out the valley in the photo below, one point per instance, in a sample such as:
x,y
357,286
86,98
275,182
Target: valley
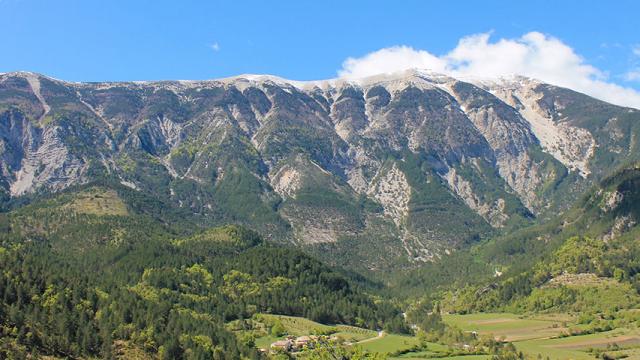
x,y
319,180
405,216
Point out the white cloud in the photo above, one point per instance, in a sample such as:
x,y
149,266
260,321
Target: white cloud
x,y
215,46
390,60
636,50
534,55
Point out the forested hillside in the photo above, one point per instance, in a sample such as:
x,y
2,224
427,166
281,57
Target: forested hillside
x,y
89,273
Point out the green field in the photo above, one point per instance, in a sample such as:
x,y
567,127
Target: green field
x,y
353,333
576,347
510,327
264,342
535,335
436,351
389,343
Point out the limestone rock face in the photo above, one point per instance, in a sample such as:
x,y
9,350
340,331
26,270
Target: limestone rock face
x,y
424,161
393,192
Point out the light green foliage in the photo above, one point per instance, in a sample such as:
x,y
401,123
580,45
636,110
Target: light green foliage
x,y
294,325
278,283
277,329
200,274
577,255
239,285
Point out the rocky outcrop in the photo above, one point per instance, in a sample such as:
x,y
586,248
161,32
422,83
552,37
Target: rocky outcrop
x,y
46,162
493,212
35,157
611,200
509,136
571,145
391,189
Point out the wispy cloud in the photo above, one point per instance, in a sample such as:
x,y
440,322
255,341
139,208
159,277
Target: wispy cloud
x,y
533,54
215,46
633,75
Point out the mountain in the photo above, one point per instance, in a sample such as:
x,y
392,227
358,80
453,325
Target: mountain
x,y
584,261
377,173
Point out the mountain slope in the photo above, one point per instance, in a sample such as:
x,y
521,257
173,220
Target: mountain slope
x,y
584,261
393,162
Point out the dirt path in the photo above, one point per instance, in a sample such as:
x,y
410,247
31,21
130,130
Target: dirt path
x,y
381,334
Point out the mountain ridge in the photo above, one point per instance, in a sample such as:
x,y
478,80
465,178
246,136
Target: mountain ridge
x,y
392,161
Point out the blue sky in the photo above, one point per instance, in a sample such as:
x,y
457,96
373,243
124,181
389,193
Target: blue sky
x,y
91,40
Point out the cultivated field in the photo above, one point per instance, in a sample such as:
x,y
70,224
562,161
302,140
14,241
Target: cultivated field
x,y
510,327
389,343
541,335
